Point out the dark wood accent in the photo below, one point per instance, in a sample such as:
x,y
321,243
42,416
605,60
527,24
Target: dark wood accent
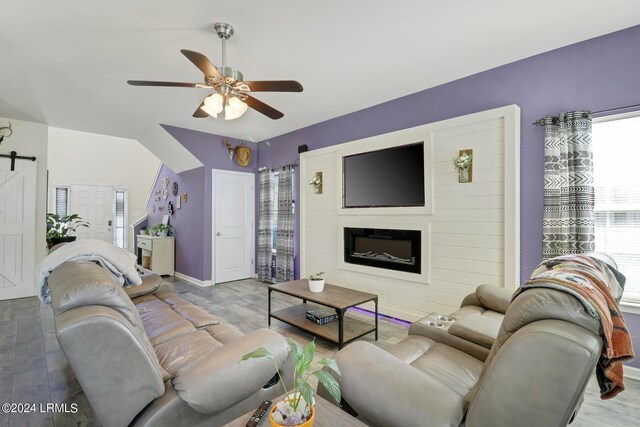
x,y
327,415
344,330
332,296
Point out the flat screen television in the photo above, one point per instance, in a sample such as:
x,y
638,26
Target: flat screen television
x,y
392,177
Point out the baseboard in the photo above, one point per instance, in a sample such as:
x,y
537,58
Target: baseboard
x,y
631,372
201,283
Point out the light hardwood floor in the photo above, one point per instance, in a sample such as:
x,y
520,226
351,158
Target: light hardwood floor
x,y
34,369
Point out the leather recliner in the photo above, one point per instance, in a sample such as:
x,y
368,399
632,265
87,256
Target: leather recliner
x,y
535,374
146,357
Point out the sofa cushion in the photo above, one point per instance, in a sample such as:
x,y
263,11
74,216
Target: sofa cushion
x,y
179,352
190,312
478,329
150,283
494,297
82,283
453,368
224,333
164,324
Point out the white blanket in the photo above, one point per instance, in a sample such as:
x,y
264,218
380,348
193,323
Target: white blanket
x,y
120,263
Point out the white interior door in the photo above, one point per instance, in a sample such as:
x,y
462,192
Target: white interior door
x,y
17,229
94,204
233,218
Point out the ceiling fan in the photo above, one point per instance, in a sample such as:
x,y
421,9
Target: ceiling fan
x,y
231,92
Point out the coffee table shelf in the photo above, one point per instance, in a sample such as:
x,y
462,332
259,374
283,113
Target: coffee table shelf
x,y
295,316
343,330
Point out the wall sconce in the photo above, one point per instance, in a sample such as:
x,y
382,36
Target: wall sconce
x,y
464,165
317,182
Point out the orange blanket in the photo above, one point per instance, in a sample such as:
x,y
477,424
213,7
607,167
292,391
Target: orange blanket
x,y
586,278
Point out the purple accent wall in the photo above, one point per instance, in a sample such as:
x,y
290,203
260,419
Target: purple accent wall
x,y
188,222
633,324
193,222
596,74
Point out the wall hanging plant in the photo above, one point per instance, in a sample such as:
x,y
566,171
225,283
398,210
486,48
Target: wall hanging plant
x,y
316,181
464,165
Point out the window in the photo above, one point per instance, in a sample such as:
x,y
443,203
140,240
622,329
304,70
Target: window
x,y
616,149
119,229
274,216
62,201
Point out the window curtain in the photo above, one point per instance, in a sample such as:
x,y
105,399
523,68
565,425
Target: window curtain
x,y
265,225
568,220
284,240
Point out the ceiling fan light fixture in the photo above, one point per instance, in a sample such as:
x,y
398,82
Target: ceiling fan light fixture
x,y
234,109
213,104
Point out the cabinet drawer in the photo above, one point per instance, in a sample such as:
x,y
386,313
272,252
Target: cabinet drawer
x,y
145,244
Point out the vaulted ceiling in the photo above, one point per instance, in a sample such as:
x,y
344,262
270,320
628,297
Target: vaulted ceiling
x,y
66,63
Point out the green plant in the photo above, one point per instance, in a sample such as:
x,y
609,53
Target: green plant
x,y
297,406
61,226
157,229
316,276
463,162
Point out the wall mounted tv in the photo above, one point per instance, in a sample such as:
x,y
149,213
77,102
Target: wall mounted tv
x,y
392,177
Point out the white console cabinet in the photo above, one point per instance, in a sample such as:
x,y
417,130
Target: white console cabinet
x,y
162,253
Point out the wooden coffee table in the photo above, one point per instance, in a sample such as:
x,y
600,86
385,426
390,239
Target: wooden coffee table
x,y
327,415
342,331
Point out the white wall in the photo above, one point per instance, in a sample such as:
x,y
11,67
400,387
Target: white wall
x,y
91,159
470,231
30,139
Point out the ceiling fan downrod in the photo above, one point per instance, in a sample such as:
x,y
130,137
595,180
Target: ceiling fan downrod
x,y
225,31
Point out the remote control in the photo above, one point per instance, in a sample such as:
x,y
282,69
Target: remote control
x,y
258,415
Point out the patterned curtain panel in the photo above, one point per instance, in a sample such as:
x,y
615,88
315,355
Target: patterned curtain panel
x,y
568,223
265,225
284,240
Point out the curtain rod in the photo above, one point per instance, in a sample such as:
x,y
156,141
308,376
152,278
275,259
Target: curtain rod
x,y
293,165
540,122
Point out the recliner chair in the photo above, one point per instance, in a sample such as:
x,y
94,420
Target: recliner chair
x,y
535,374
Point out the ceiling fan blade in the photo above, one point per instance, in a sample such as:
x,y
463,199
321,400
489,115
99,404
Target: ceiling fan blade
x,y
200,113
263,108
275,86
202,62
151,83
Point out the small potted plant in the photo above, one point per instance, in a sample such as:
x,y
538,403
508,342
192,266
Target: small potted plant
x,y
295,409
462,163
316,282
162,230
59,228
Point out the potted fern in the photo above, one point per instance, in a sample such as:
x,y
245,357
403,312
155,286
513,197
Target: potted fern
x,y
60,227
295,409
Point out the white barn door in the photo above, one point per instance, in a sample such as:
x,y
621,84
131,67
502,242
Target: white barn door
x,y
17,229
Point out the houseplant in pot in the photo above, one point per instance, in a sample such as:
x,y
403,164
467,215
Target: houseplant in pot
x,y
60,227
316,282
295,410
162,230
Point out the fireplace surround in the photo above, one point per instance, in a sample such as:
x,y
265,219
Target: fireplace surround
x,y
383,248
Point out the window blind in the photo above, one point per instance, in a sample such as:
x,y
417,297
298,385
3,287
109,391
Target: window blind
x,y
61,201
119,235
617,198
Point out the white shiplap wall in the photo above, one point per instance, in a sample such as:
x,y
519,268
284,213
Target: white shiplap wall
x,y
470,231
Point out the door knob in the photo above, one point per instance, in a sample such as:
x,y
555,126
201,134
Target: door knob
x,y
218,234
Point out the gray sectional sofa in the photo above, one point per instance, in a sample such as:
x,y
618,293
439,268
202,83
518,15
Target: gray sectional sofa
x,y
146,357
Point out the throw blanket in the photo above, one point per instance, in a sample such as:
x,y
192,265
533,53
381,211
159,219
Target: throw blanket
x,y
120,263
593,282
